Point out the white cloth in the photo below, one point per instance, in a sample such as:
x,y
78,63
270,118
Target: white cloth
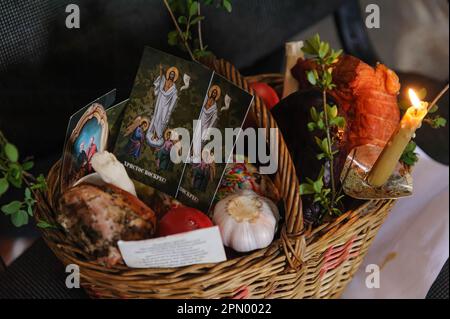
x,y
165,103
415,235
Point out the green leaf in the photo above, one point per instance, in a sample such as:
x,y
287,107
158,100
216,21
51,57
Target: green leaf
x,y
438,122
409,159
321,124
4,185
172,37
318,142
315,42
12,207
43,224
11,152
324,145
408,156
326,192
40,184
332,111
338,121
311,126
227,5
341,122
318,186
202,53
321,156
193,9
182,20
336,211
321,173
27,165
411,147
197,19
433,109
306,189
30,210
314,115
19,218
323,49
328,79
188,35
308,49
316,74
311,77
27,193
336,54
15,175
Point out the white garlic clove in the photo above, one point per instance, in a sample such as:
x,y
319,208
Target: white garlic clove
x,y
112,171
247,221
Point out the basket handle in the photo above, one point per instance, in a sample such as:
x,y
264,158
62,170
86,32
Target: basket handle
x,y
286,178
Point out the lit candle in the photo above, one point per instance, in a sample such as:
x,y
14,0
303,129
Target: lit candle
x,y
389,157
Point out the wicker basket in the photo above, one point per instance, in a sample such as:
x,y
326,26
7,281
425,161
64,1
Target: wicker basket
x,y
302,263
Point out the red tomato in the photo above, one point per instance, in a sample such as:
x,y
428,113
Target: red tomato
x,y
182,219
266,92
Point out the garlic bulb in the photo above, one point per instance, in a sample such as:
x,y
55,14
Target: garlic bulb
x,y
112,171
247,221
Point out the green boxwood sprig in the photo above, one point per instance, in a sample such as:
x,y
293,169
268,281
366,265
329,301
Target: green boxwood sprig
x,y
14,173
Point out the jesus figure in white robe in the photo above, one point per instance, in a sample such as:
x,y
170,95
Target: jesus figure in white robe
x,y
166,98
208,118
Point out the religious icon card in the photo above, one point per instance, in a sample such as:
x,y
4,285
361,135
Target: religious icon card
x,y
88,130
225,106
115,117
166,96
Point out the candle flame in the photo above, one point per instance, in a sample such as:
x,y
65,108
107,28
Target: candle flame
x,y
414,99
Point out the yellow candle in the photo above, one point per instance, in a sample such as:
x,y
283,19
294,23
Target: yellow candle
x,y
389,157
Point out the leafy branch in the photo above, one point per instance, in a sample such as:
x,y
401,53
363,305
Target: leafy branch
x,y
325,121
320,192
15,173
186,15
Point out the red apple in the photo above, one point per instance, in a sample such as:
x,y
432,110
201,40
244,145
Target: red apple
x,y
182,219
266,92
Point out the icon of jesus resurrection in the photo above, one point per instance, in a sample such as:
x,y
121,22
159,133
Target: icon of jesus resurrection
x,y
166,98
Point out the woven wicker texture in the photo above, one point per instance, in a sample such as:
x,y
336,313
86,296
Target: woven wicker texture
x,y
302,263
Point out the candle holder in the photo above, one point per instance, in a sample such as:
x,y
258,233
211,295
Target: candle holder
x,y
357,166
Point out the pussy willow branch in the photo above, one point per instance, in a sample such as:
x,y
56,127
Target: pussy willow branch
x,y
186,44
